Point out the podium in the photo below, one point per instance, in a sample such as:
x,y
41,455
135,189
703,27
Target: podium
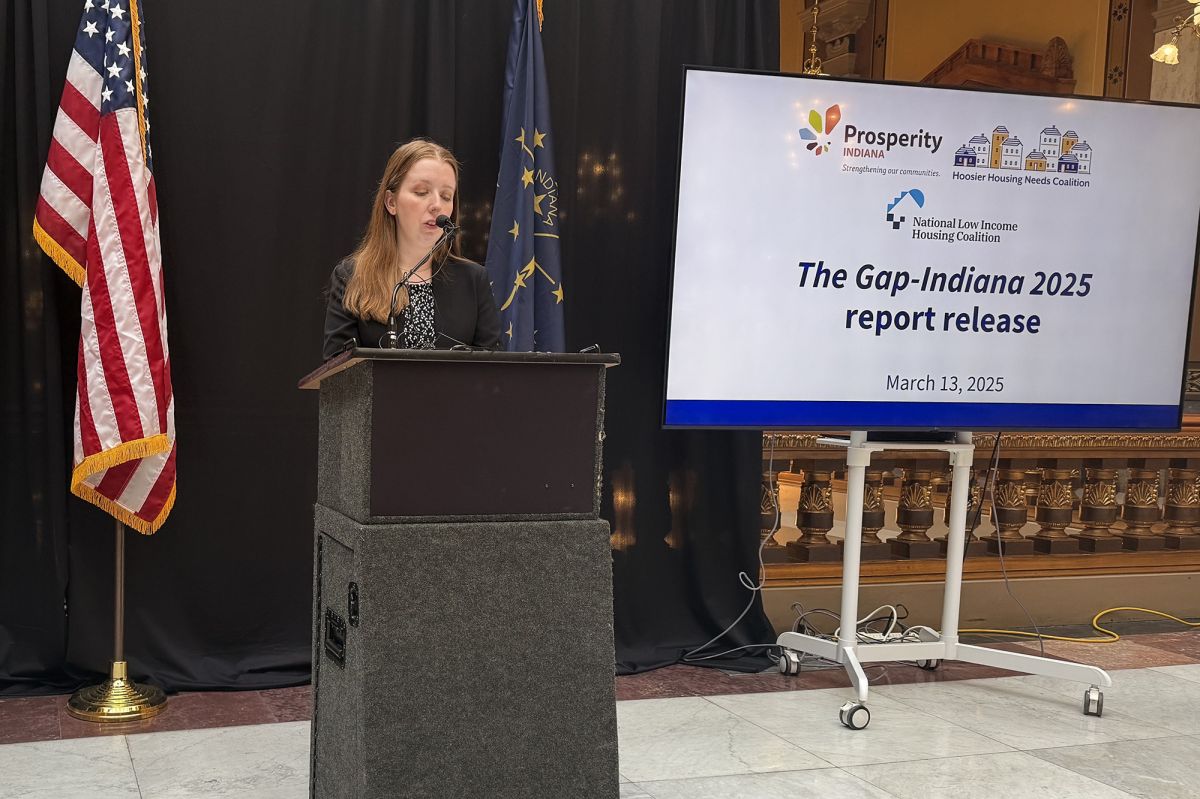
x,y
462,582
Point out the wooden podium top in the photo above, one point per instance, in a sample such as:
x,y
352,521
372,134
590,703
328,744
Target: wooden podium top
x,y
351,357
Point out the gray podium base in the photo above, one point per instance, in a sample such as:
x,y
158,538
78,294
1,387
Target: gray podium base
x,y
463,660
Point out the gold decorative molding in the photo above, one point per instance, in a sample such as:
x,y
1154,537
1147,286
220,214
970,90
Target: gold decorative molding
x,y
1099,441
794,441
1019,441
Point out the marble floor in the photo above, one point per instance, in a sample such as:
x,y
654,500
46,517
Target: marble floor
x,y
962,732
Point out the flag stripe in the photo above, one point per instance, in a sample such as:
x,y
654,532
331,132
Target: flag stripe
x,y
132,241
60,230
89,442
111,357
162,492
143,184
72,173
77,108
68,206
104,415
113,216
161,487
86,78
117,478
79,144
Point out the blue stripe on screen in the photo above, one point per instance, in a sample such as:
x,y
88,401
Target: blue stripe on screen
x,y
918,415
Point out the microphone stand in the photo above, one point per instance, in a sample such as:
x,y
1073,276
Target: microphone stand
x,y
392,335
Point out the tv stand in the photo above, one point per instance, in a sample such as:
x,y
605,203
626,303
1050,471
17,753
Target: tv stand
x,y
933,647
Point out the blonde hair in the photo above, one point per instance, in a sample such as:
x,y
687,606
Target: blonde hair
x,y
376,260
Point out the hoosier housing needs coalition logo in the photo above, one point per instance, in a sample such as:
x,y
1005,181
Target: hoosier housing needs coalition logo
x,y
1064,155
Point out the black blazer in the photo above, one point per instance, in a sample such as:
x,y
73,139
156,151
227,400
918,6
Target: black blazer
x,y
465,310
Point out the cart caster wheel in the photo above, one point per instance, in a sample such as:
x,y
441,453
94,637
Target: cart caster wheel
x,y
929,665
789,663
1093,702
854,715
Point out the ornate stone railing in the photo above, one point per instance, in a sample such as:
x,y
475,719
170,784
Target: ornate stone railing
x,y
1056,503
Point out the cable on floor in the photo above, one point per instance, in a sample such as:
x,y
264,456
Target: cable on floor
x,y
1110,636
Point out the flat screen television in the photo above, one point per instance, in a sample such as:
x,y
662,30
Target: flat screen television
x,y
854,255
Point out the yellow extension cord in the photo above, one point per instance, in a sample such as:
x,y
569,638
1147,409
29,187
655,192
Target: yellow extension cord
x,y
1111,637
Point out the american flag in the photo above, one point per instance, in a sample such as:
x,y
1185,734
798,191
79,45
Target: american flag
x,y
97,218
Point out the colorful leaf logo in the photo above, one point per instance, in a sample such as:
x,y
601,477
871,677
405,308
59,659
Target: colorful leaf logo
x,y
833,115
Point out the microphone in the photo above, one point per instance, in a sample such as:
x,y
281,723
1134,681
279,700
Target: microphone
x,y
448,230
460,345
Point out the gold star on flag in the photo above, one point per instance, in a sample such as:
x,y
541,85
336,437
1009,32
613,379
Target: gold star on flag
x,y
527,178
537,202
519,281
509,331
537,138
558,292
516,230
521,138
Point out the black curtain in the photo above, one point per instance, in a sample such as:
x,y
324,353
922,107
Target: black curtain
x,y
269,131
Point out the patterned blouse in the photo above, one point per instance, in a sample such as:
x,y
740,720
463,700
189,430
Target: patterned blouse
x,y
418,333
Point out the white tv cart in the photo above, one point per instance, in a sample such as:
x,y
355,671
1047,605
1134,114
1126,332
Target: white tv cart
x,y
852,653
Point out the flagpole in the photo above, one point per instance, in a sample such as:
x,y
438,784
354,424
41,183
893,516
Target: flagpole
x,y
117,698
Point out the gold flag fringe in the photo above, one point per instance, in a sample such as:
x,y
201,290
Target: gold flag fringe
x,y
136,23
130,450
89,494
57,254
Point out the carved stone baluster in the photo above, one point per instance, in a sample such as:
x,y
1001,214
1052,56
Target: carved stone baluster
x,y
814,517
1010,512
768,504
1141,511
1099,511
873,546
974,546
915,517
1056,494
1183,509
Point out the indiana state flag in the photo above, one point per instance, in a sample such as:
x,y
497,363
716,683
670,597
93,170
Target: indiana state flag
x,y
523,251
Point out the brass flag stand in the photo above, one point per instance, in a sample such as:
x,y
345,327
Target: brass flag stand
x,y
118,698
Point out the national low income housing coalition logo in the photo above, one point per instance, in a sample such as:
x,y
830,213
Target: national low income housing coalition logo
x,y
949,229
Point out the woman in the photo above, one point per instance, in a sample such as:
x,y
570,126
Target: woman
x,y
447,301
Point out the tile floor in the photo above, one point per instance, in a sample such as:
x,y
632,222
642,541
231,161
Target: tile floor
x,y
962,732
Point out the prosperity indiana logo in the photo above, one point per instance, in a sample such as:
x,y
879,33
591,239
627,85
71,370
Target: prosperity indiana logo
x,y
818,127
